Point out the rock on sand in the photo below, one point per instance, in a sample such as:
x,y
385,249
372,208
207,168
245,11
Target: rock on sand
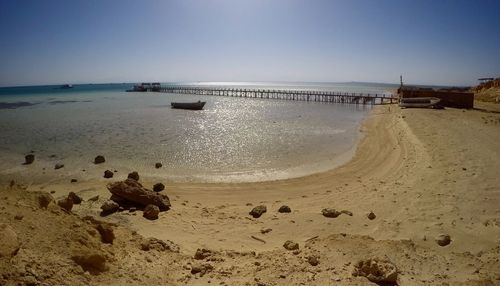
x,y
329,212
377,270
134,192
151,212
257,211
99,159
290,245
28,159
134,175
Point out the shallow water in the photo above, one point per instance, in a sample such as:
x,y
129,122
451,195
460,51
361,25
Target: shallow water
x,y
232,139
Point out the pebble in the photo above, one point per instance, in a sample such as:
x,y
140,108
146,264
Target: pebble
x,y
371,216
443,240
291,245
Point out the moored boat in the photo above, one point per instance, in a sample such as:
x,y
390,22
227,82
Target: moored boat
x,y
189,105
419,102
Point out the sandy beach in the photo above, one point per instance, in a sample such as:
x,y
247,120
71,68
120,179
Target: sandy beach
x,y
422,172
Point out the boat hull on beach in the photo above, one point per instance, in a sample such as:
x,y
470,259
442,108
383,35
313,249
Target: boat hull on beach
x,y
188,105
419,102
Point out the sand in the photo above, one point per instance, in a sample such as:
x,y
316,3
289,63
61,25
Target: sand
x,y
422,172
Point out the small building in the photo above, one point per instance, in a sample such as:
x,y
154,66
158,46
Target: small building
x,y
450,97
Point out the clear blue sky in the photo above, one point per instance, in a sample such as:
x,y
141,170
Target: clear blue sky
x,y
449,42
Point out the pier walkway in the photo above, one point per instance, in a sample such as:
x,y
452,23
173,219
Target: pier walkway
x,y
284,94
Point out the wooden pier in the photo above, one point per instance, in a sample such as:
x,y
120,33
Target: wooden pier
x,y
284,94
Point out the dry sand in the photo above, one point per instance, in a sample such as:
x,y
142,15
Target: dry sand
x,y
423,172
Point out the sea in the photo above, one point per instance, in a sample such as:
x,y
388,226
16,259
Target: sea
x,y
231,140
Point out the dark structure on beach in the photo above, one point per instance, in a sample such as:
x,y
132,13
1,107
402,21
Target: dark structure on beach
x,y
457,97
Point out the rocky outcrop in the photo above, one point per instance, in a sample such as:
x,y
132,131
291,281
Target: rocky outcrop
x,y
132,191
106,232
257,211
44,199
9,244
66,204
159,245
377,270
92,261
75,198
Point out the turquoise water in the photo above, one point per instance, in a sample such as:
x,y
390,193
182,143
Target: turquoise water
x,y
232,139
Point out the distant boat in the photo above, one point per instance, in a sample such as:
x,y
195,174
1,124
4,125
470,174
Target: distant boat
x,y
189,105
138,87
145,86
419,102
66,86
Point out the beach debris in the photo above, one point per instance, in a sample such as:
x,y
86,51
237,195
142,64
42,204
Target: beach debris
x,y
134,175
66,204
108,174
257,211
109,207
106,232
312,238
91,260
258,239
29,159
94,198
349,213
377,270
313,260
74,180
159,245
134,192
44,199
371,216
9,244
202,253
58,166
265,230
329,212
158,187
151,212
284,209
443,239
75,198
99,159
158,165
291,245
